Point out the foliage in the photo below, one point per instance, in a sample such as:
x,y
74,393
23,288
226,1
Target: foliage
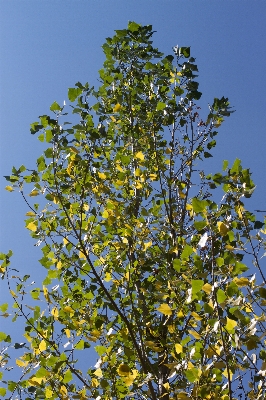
x,y
143,265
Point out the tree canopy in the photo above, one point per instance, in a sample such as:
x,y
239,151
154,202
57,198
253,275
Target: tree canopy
x,y
153,267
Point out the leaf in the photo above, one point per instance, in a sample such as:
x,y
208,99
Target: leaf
x,y
80,345
32,227
131,377
230,324
207,288
165,309
21,363
55,106
241,282
198,205
2,392
139,155
42,345
178,348
123,370
196,285
195,334
222,228
117,107
98,373
160,106
48,392
221,296
9,188
73,93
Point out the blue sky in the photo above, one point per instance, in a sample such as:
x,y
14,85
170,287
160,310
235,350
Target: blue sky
x,y
47,46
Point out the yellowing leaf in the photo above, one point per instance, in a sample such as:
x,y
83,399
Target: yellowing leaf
x,y
138,172
222,228
178,348
119,168
34,193
59,265
131,377
48,392
101,175
9,188
230,324
105,214
63,390
207,288
94,383
165,309
42,345
117,107
123,370
55,313
32,227
34,380
69,310
194,334
139,155
21,363
241,282
196,316
30,214
166,386
98,373
146,245
229,247
68,333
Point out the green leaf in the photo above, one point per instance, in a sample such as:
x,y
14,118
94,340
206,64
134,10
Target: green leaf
x,y
199,205
80,345
55,107
3,336
221,296
2,391
133,26
4,307
196,285
187,251
73,93
160,106
185,51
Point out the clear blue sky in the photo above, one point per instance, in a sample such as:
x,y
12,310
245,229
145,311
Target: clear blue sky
x,y
47,46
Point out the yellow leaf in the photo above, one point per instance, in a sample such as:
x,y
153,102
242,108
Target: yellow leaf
x,y
81,255
194,334
131,377
105,214
21,363
69,310
153,177
165,309
207,288
166,386
63,390
34,193
59,265
101,175
180,314
138,185
138,172
119,168
196,316
32,227
68,333
229,247
147,244
178,348
241,282
123,370
171,328
9,188
139,155
222,228
98,373
108,277
42,345
94,383
48,392
230,324
34,380
117,107
30,214
55,313
13,293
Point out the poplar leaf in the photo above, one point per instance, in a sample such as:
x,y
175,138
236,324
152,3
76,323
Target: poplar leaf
x,y
117,107
222,228
139,155
123,370
165,309
178,348
42,345
32,227
230,324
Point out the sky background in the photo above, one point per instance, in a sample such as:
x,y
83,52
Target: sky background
x,y
46,46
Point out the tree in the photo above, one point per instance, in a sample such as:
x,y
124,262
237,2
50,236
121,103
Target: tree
x,y
143,264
